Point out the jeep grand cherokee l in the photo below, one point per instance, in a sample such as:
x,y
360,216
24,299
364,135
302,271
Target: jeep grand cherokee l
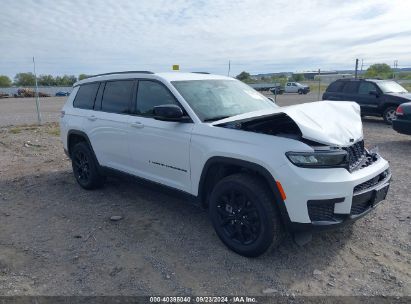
x,y
375,97
259,169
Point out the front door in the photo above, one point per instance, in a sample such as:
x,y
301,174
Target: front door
x,y
368,97
159,150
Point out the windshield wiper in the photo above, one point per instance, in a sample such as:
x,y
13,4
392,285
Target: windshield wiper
x,y
215,118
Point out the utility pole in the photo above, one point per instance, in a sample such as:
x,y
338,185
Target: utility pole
x,y
229,68
37,94
395,68
356,68
319,83
362,64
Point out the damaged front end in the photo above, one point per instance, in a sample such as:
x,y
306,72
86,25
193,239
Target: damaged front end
x,y
333,131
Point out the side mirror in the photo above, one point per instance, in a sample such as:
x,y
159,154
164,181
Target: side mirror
x,y
374,92
168,112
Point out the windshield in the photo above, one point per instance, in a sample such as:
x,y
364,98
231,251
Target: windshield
x,y
391,87
217,99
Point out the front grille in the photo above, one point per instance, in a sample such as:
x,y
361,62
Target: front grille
x,y
371,182
323,210
356,154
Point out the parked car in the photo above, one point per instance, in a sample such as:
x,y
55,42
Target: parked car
x,y
258,168
295,87
62,93
375,97
402,123
277,90
274,88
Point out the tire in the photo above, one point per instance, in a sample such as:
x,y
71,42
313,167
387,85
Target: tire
x,y
389,114
300,92
85,167
244,216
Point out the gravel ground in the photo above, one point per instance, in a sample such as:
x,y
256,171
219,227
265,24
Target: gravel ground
x,y
58,239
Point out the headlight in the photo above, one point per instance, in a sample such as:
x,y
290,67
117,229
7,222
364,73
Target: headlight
x,y
319,159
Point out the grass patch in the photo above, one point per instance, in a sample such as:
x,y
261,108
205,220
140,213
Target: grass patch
x,y
49,128
53,129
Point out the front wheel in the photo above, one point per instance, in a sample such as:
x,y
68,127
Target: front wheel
x,y
244,216
389,115
300,92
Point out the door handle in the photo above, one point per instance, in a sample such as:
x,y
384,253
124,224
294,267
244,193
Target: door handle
x,y
92,118
137,125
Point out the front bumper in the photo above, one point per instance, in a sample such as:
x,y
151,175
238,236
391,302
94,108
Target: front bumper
x,y
326,198
402,126
363,202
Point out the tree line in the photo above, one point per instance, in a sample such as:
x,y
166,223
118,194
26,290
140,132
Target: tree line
x,y
28,79
378,70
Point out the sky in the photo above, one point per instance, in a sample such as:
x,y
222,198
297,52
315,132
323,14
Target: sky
x,y
258,36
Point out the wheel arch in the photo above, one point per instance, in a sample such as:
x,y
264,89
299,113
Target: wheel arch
x,y
218,167
76,136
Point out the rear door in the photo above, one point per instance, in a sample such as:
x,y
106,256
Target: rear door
x,y
367,98
334,91
108,125
159,150
349,91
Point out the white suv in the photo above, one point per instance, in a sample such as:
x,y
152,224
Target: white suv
x,y
259,169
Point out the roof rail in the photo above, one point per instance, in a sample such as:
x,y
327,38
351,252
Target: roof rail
x,y
123,72
200,72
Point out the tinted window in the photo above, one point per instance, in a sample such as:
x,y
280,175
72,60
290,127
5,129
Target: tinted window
x,y
85,96
350,87
335,86
151,94
366,87
117,96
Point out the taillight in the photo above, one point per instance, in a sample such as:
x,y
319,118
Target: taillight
x,y
62,113
400,111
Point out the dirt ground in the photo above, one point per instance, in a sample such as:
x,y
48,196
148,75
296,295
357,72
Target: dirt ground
x,y
58,239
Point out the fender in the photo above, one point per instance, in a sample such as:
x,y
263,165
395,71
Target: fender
x,y
253,167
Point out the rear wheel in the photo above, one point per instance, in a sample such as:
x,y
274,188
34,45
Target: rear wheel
x,y
389,115
244,216
85,167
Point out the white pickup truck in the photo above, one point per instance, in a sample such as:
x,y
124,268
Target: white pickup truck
x,y
295,87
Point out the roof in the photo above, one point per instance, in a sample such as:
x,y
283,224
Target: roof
x,y
168,76
363,79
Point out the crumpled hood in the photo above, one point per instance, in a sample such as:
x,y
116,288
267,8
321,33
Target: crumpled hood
x,y
328,122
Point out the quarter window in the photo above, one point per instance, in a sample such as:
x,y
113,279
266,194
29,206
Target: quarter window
x,y
117,96
85,96
151,94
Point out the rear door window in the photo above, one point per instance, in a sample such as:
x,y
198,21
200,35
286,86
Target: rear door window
x,y
350,87
85,96
117,96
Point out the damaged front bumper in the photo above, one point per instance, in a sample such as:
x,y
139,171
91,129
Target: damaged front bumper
x,y
372,193
328,198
